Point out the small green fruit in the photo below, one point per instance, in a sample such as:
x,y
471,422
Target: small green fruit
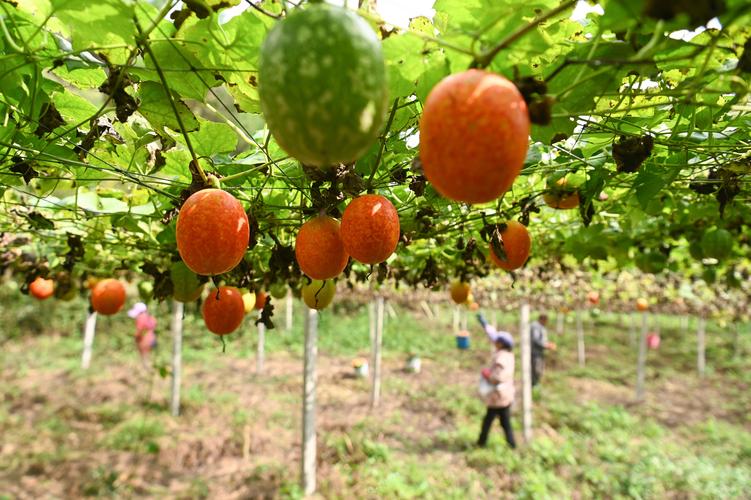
x,y
318,294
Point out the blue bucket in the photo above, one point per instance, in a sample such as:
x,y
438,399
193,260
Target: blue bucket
x,y
462,342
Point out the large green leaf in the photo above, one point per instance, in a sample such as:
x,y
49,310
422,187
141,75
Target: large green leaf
x,y
213,138
98,24
155,107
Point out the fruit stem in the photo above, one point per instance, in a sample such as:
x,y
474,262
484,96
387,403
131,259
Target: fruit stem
x,y
254,169
214,181
323,284
383,144
483,60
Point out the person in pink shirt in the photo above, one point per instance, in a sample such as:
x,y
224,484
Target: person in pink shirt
x,y
499,378
145,335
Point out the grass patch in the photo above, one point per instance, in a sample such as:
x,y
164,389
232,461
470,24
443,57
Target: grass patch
x,y
138,435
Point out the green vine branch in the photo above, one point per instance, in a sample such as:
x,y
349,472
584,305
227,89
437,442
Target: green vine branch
x,y
383,143
144,43
484,59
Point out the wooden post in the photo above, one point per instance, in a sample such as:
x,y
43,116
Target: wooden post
x,y
426,310
375,393
642,359
526,355
390,310
463,316
701,362
559,319
684,324
261,346
177,356
372,320
456,320
288,322
494,318
308,476
580,339
88,340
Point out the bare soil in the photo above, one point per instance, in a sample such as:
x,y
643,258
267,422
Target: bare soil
x,y
239,433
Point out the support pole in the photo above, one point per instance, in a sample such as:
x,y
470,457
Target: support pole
x,y
559,319
684,324
426,309
372,321
701,361
580,339
526,355
88,340
308,476
288,322
177,355
261,347
390,310
456,320
642,359
375,394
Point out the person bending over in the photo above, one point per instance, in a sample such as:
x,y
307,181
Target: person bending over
x,y
145,337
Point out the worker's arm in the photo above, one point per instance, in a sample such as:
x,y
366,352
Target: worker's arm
x,y
489,329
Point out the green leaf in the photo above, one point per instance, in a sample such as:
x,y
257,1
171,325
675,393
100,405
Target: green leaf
x,y
98,24
436,68
112,206
404,63
167,236
651,179
213,138
131,224
155,107
182,70
620,14
73,108
83,76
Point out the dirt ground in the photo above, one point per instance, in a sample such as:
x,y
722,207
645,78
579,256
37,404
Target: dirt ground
x,y
239,432
204,441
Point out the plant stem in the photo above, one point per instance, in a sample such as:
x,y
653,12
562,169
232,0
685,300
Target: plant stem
x,y
144,42
383,143
483,60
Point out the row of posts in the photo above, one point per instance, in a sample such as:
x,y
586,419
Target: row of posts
x,y
376,309
310,331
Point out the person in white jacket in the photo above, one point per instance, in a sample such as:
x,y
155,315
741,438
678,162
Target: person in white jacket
x,y
500,374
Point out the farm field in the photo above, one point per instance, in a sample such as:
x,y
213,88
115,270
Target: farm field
x,y
107,431
261,249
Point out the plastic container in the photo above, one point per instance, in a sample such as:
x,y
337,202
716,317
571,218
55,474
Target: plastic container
x,y
360,366
414,364
462,340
